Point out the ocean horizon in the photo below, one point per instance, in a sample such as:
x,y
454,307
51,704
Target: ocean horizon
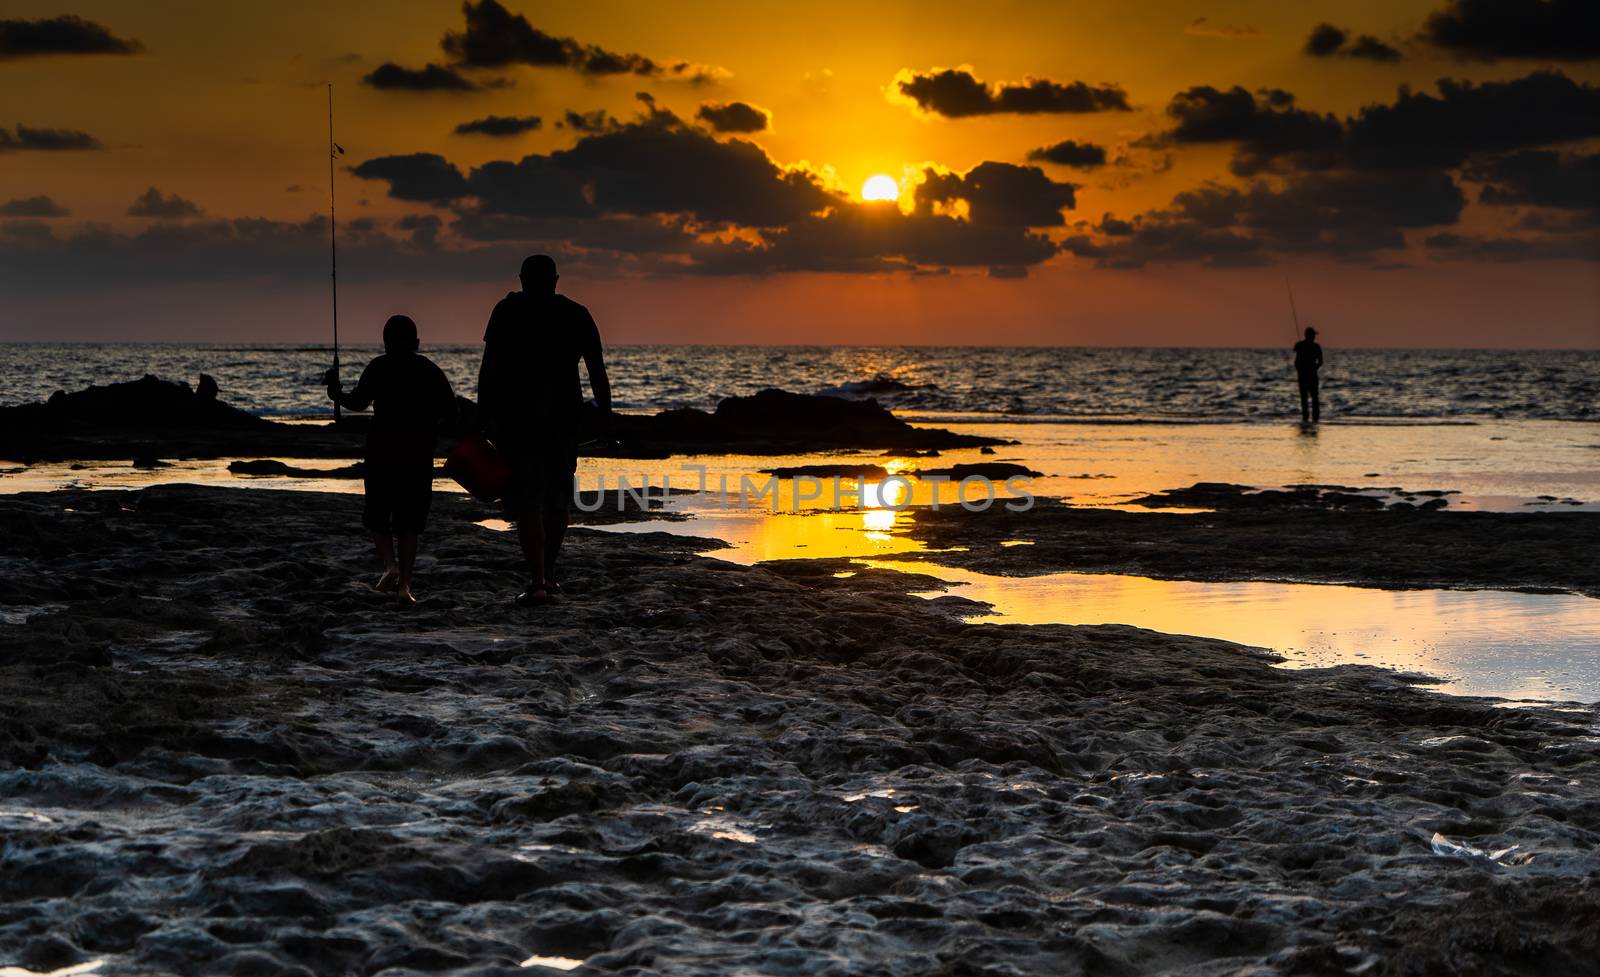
x,y
1225,384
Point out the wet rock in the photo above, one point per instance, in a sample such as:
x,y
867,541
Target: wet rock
x,y
997,471
1288,536
145,404
826,471
779,422
272,467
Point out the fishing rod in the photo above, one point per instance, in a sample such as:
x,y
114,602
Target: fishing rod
x,y
1292,310
334,151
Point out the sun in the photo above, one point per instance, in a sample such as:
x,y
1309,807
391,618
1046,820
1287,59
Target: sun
x,y
880,186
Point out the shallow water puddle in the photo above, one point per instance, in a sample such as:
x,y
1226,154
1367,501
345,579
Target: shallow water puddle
x,y
1481,642
88,967
554,963
1538,647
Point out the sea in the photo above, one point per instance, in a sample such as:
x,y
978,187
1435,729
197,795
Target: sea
x,y
1037,383
1497,430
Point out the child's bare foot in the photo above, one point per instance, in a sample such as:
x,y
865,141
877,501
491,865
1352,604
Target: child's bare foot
x,y
389,582
404,595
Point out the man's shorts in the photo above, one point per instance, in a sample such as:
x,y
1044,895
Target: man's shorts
x,y
541,479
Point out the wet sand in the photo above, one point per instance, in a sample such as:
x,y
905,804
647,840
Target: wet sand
x,y
223,754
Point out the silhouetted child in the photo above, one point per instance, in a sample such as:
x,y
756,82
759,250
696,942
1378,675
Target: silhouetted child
x,y
410,397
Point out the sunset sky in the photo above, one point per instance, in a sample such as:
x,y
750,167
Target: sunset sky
x,y
1425,172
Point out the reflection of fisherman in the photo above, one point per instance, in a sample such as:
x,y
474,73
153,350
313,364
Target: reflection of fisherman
x,y
1307,361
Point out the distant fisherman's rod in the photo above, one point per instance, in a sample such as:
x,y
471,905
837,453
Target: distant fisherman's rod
x,y
334,152
1292,310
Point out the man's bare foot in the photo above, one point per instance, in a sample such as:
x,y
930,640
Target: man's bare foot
x,y
389,582
404,596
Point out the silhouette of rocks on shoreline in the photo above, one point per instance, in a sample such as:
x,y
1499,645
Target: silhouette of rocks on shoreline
x,y
1289,536
779,422
155,418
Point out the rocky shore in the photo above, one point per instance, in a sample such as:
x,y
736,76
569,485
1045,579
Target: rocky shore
x,y
1306,535
152,419
221,753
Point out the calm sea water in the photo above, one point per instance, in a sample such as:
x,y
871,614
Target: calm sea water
x,y
1169,384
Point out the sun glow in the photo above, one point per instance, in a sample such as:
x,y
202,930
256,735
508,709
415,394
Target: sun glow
x,y
880,186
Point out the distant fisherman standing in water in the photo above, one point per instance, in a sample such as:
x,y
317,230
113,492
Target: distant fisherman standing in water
x,y
410,396
531,401
1307,361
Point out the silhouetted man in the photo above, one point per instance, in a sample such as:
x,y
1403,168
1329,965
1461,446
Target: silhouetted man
x,y
1307,361
531,399
409,396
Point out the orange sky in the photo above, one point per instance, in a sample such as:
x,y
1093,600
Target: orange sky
x,y
223,106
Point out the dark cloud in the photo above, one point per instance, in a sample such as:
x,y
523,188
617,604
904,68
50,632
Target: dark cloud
x,y
1154,241
1333,210
1002,203
660,165
733,117
391,77
865,238
495,37
534,187
998,193
423,228
1540,178
49,140
662,196
1418,129
1327,40
153,203
500,125
1369,48
957,93
1347,215
1264,126
66,34
623,236
698,75
1422,129
1083,155
237,250
39,206
1353,188
1205,27
1449,246
595,121
424,177
656,165
1559,221
1537,29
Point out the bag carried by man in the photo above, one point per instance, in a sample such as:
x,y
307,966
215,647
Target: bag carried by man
x,y
478,467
